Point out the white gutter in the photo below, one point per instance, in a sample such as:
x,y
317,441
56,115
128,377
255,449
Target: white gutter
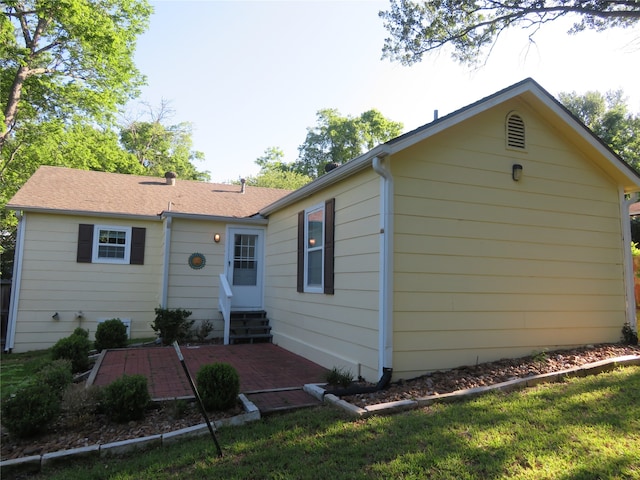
x,y
385,294
628,259
15,284
165,263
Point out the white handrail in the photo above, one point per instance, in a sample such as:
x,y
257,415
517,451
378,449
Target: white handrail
x,y
224,303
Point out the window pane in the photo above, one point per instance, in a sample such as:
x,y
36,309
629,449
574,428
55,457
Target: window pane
x,y
110,252
245,266
314,229
314,268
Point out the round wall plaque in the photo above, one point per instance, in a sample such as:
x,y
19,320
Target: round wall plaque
x,y
197,261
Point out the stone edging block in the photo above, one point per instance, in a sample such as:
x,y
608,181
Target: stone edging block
x,y
508,386
36,463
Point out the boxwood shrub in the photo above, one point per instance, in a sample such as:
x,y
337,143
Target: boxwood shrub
x,y
218,386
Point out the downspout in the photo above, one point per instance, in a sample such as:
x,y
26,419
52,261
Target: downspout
x,y
385,294
628,259
15,284
165,263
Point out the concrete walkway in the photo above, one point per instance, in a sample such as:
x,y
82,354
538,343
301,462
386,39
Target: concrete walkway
x,y
270,376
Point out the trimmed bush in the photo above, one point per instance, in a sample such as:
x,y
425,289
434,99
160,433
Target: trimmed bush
x,y
218,385
82,332
111,334
126,398
75,348
57,375
172,325
30,410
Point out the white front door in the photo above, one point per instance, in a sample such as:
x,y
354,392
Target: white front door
x,y
245,267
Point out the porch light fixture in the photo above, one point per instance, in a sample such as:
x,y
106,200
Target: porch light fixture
x,y
216,238
56,316
516,172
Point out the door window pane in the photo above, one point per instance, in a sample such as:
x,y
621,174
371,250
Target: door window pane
x,y
245,265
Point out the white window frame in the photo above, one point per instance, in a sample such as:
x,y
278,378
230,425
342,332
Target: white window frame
x,y
95,258
307,249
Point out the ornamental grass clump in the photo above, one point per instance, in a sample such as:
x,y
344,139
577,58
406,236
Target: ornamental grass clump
x,y
218,385
111,334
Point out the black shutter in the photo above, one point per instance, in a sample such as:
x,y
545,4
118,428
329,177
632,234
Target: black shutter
x,y
85,243
329,224
138,236
300,286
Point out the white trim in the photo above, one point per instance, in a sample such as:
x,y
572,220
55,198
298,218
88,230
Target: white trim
x,y
167,223
16,282
385,293
95,258
627,259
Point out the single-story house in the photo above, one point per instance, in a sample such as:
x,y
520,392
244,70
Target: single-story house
x,y
496,231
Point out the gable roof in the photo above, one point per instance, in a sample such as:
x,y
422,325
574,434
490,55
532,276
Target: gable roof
x,y
85,192
530,92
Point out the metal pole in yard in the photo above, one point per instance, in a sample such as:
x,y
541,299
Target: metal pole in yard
x,y
197,395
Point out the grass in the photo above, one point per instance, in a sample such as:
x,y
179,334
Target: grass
x,y
587,428
17,369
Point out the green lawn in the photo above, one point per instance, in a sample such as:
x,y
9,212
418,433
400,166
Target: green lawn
x,y
585,428
17,369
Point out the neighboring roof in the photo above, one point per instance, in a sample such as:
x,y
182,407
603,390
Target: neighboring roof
x,y
67,190
530,92
634,209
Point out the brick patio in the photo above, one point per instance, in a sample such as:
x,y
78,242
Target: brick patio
x,y
270,376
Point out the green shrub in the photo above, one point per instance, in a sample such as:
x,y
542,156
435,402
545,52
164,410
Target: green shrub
x,y
82,332
30,410
75,348
218,385
111,334
125,399
57,375
339,376
172,325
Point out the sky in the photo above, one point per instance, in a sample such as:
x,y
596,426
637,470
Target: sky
x,y
253,75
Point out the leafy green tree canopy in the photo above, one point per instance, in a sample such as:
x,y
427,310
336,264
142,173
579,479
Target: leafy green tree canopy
x,y
608,116
64,57
159,147
275,173
338,139
471,27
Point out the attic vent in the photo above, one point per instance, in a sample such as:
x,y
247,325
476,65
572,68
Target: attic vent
x,y
515,131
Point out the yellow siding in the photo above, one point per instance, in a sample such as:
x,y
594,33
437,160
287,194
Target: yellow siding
x,y
52,281
191,289
339,330
486,267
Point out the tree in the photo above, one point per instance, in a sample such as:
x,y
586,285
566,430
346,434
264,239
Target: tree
x,y
608,117
472,26
338,139
61,58
275,173
160,148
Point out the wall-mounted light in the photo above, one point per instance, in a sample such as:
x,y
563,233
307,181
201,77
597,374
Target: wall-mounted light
x,y
56,316
79,315
216,238
516,172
